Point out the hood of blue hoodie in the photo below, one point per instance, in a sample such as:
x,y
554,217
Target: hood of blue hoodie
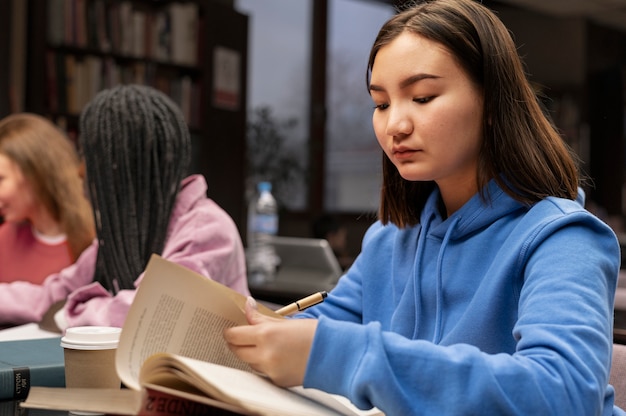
x,y
448,264
437,282
474,215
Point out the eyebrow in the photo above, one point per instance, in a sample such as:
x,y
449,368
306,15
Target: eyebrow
x,y
407,82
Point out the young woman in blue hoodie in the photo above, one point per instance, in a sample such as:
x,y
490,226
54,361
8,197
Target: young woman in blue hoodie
x,y
485,288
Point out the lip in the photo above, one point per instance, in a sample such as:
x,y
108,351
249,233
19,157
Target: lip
x,y
403,152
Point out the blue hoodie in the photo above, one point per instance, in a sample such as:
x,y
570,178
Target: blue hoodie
x,y
499,309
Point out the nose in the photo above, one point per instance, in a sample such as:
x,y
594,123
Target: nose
x,y
399,122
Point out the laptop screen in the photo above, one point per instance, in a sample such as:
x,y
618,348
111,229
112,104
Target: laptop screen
x,y
304,259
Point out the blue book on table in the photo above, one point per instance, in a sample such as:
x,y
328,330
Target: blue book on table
x,y
30,362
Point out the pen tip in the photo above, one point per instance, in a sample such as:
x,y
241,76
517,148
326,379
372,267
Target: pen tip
x,y
324,294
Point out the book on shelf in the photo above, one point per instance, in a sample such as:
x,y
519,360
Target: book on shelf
x,y
172,343
17,57
184,32
71,85
56,22
30,362
167,32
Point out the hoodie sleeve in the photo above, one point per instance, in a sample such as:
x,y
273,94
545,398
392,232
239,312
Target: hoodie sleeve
x,y
24,302
203,239
346,299
563,342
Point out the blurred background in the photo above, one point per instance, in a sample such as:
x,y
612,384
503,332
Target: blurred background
x,y
276,90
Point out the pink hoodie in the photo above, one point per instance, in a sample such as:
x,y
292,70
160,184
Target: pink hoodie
x,y
201,237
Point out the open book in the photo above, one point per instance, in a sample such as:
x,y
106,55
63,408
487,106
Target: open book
x,y
172,343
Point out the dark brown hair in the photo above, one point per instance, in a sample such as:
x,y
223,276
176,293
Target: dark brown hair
x,y
521,150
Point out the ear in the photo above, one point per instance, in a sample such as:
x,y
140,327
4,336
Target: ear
x,y
82,169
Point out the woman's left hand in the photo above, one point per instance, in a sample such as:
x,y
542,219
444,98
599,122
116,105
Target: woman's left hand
x,y
278,348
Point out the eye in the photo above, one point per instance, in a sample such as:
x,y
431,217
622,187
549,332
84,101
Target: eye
x,y
423,100
381,106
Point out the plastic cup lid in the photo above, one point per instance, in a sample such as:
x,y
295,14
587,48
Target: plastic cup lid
x,y
91,338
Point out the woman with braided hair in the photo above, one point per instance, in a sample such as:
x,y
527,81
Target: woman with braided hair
x,y
137,150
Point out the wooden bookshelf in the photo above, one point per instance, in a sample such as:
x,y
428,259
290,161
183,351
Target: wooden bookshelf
x,y
89,45
181,47
5,39
13,18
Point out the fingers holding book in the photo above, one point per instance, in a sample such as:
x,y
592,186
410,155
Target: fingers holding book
x,y
277,348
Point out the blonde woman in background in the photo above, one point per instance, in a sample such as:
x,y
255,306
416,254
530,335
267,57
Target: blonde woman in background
x,y
48,221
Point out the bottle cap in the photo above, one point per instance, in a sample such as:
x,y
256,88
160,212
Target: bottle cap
x,y
264,186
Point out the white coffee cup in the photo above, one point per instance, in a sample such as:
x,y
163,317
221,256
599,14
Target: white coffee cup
x,y
90,356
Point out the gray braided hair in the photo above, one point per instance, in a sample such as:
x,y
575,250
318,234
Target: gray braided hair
x,y
137,150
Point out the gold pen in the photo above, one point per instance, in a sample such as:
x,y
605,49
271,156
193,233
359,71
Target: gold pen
x,y
303,303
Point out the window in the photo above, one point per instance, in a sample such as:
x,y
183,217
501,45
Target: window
x,y
278,94
278,100
353,156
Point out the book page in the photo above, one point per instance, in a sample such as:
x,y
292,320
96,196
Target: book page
x,y
335,401
239,388
178,311
172,337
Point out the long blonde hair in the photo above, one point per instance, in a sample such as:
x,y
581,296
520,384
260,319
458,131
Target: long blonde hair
x,y
49,162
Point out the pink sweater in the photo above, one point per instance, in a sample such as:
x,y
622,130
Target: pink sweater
x,y
201,237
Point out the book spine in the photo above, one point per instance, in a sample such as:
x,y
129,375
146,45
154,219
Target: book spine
x,y
158,403
11,408
15,382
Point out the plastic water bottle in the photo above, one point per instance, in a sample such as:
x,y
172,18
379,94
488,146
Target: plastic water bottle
x,y
262,226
